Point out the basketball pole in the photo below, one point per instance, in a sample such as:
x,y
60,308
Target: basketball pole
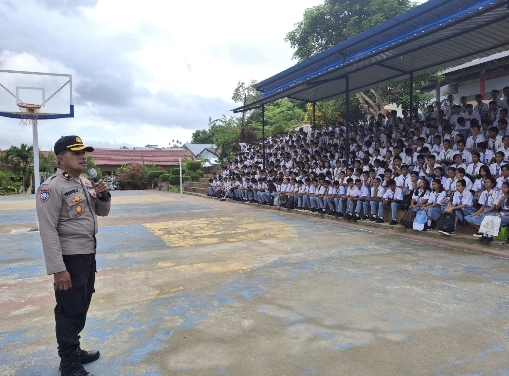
x,y
180,165
37,175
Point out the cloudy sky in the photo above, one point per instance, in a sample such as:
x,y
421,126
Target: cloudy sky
x,y
144,72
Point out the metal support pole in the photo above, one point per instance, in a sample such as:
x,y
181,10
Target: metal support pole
x,y
411,92
347,120
314,113
263,136
437,92
180,165
482,83
37,174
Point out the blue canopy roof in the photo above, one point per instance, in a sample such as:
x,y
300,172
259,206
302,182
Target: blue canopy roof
x,y
435,35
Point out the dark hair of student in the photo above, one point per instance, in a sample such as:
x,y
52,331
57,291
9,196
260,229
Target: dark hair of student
x,y
462,182
440,185
506,183
492,180
486,169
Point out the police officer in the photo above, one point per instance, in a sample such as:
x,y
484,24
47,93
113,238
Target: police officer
x,y
67,209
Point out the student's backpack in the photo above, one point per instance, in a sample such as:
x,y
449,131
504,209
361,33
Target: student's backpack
x,y
420,220
405,203
446,222
408,219
289,202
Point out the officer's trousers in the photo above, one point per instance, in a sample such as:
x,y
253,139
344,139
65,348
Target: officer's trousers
x,y
72,305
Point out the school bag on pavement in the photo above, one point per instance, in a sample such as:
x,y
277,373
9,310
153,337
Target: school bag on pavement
x,y
420,220
408,219
289,202
446,222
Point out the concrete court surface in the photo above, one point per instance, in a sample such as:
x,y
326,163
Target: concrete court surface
x,y
195,286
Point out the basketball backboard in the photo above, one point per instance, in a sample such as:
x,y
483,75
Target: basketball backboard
x,y
52,91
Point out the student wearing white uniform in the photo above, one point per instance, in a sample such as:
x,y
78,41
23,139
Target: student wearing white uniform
x,y
503,211
313,195
403,180
504,178
462,205
420,196
433,206
376,197
357,194
391,200
488,201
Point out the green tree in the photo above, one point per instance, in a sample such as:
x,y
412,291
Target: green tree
x,y
91,164
225,135
19,160
202,136
47,163
335,21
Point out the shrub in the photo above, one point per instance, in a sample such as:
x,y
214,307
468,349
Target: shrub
x,y
135,176
174,180
165,177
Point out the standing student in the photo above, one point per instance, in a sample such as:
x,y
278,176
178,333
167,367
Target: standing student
x,y
462,205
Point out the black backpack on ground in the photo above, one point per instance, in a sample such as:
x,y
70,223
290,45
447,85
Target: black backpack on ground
x,y
289,202
446,222
408,219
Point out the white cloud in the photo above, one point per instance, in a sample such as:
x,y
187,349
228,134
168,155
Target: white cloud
x,y
144,72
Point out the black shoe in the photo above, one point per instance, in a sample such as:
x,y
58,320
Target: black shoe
x,y
71,366
88,356
487,239
365,218
380,220
393,222
339,215
356,217
347,216
373,219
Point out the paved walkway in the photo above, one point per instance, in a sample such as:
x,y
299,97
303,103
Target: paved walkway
x,y
193,286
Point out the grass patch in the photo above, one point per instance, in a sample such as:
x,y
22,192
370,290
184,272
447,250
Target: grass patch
x,y
174,190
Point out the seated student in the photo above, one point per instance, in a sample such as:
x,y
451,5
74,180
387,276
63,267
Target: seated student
x,y
329,199
227,188
433,207
460,175
445,157
338,193
387,177
301,194
251,187
462,205
439,174
218,191
420,167
450,183
391,200
313,195
504,177
503,211
420,196
473,167
478,186
322,200
211,189
357,194
376,196
488,200
403,180
496,168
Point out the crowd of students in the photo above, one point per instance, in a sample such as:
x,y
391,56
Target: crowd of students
x,y
454,158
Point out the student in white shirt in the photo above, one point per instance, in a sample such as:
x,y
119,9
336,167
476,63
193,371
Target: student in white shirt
x,y
466,157
450,183
313,195
473,168
357,194
337,193
376,197
420,196
505,147
433,206
496,168
488,201
462,205
474,139
505,176
391,200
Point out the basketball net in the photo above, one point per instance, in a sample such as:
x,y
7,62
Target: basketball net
x,y
29,113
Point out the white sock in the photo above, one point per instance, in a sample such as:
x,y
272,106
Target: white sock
x,y
429,222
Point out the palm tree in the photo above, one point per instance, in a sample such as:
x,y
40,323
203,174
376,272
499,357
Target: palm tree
x,y
20,159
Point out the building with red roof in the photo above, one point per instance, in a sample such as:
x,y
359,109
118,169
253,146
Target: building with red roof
x,y
108,160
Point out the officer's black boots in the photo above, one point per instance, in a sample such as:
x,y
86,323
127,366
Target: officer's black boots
x,y
72,365
88,356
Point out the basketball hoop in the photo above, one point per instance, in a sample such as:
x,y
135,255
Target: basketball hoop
x,y
29,112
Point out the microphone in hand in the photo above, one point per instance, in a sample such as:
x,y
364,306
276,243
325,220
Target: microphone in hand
x,y
93,174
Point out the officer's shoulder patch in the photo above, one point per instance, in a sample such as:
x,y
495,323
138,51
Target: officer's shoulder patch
x,y
44,194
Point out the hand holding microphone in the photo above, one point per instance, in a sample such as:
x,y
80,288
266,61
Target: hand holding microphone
x,y
100,186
